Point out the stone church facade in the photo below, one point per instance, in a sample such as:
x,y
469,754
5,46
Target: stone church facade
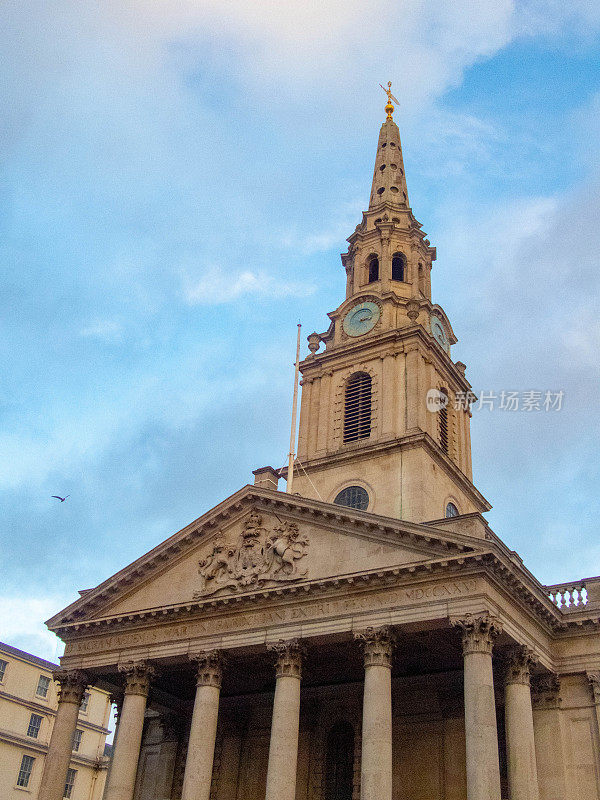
x,y
367,636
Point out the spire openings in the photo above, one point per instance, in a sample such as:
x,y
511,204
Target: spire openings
x,y
389,182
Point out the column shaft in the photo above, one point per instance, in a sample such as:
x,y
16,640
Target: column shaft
x,y
203,731
121,781
483,769
520,742
376,764
56,765
283,748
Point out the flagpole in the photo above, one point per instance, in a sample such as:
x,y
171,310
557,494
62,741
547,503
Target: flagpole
x,y
292,453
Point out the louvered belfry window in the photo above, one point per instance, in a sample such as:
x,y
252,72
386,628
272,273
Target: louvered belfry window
x,y
357,407
443,425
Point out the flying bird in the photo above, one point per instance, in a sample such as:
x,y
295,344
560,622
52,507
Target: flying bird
x,y
62,499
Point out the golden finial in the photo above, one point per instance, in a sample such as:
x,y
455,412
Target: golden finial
x,y
389,107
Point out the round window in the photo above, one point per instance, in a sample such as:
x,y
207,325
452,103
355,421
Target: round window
x,y
451,510
353,497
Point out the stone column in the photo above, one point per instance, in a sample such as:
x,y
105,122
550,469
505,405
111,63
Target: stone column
x,y
520,742
594,680
203,732
376,764
479,632
70,694
121,781
283,748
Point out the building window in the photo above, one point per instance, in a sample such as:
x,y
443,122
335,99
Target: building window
x,y
71,774
443,422
357,407
373,269
83,706
25,771
353,497
77,740
398,267
451,510
339,762
43,685
35,722
3,666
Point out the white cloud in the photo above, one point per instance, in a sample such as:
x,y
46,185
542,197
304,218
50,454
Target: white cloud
x,y
105,329
23,624
217,286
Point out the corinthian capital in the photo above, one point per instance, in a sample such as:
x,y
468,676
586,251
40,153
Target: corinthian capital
x,y
138,675
545,691
289,658
377,646
479,632
518,665
72,685
210,668
594,679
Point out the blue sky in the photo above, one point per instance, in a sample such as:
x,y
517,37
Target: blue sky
x,y
177,183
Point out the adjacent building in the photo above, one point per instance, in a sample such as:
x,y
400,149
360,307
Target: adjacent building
x,y
366,635
28,703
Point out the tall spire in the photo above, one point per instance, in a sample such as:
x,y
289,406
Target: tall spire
x,y
389,181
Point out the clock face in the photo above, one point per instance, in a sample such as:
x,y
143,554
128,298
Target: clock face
x,y
439,333
361,318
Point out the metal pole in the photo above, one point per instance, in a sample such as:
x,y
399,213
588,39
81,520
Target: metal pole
x,y
290,474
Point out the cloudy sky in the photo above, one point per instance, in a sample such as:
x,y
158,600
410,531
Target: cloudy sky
x,y
177,182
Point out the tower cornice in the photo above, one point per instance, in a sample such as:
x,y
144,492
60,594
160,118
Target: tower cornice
x,y
395,341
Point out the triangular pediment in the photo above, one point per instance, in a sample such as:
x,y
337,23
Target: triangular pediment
x,y
261,540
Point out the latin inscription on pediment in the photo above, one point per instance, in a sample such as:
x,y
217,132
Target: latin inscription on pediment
x,y
261,555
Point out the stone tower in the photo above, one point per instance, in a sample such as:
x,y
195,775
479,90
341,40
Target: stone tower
x,y
384,425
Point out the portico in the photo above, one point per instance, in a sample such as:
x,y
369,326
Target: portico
x,y
252,694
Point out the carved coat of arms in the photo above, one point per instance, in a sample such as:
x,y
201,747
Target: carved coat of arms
x,y
260,555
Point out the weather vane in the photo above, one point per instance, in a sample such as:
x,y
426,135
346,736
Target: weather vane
x,y
389,107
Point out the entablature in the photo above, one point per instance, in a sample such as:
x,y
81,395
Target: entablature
x,y
382,343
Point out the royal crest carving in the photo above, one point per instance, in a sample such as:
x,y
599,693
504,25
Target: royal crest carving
x,y
259,556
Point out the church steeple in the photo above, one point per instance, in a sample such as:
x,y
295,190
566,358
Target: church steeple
x,y
389,180
368,435
388,250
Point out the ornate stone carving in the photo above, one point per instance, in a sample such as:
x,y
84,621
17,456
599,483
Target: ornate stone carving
x,y
314,340
210,668
138,675
479,632
72,685
289,658
260,556
377,644
412,309
545,690
518,665
594,679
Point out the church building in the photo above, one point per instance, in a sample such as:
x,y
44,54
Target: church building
x,y
365,636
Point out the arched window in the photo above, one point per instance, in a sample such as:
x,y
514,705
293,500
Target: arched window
x,y
398,266
353,497
339,762
357,407
421,279
373,265
443,422
451,510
